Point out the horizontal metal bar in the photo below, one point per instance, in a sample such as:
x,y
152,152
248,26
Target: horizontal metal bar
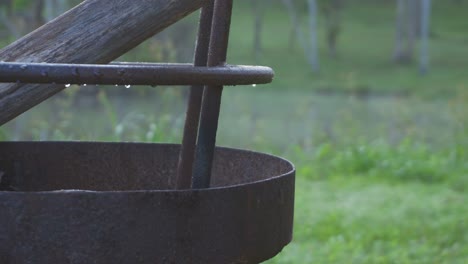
x,y
133,74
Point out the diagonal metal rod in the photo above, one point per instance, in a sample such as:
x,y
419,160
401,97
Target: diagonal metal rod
x,y
212,96
192,119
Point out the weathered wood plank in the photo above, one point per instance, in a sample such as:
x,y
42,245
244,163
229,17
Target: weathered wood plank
x,y
96,31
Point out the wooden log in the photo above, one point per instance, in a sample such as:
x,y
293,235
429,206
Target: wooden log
x,y
96,31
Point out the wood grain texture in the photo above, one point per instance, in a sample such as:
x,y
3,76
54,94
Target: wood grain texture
x,y
96,31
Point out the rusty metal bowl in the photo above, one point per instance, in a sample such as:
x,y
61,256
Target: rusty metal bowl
x,y
80,202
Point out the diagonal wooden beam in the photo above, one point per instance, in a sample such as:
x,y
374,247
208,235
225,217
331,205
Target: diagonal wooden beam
x,y
96,31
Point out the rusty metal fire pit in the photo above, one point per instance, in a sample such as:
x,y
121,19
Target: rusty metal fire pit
x,y
92,202
113,203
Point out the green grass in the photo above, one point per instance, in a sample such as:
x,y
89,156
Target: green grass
x,y
379,204
350,220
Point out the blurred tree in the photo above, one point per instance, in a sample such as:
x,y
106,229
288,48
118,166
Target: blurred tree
x,y
54,8
313,52
258,8
21,16
425,20
296,32
416,16
412,21
6,9
7,5
38,18
406,28
332,11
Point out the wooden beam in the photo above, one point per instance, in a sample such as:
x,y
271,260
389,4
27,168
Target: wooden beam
x,y
96,31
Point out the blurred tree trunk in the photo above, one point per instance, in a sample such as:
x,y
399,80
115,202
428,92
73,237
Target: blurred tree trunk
x,y
314,54
332,11
38,17
7,5
405,31
295,30
6,12
416,16
425,21
399,35
63,5
54,8
258,8
49,9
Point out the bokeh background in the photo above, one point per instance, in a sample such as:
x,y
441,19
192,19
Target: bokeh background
x,y
369,101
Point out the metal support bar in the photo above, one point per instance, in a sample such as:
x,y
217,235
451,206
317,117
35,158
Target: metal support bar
x,y
212,96
192,119
133,74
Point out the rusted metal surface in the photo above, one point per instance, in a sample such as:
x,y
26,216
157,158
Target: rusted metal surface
x,y
212,96
110,203
192,119
133,74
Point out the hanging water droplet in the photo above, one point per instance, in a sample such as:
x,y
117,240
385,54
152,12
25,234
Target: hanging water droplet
x,y
116,85
24,67
254,85
67,85
84,84
128,86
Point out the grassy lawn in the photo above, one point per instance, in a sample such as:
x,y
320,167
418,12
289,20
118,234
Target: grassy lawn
x,y
379,204
356,221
